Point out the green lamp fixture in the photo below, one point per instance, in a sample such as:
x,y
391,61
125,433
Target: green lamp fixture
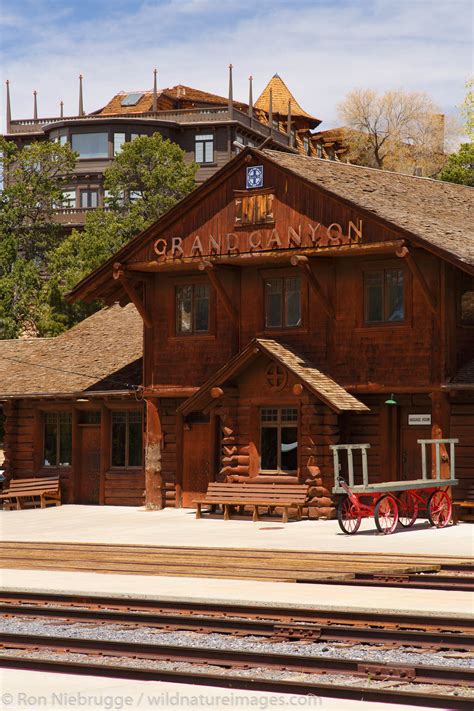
x,y
391,400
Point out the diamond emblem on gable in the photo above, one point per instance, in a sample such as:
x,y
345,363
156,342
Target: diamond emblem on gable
x,y
254,176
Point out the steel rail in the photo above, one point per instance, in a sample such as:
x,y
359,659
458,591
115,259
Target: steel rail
x,y
274,629
241,658
228,681
393,620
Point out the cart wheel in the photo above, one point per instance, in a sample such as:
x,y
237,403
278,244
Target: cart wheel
x,y
439,509
386,514
407,509
349,516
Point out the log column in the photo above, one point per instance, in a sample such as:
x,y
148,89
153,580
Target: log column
x,y
153,443
440,420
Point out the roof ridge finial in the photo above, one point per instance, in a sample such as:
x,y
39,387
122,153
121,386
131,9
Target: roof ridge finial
x,y
61,109
81,101
155,91
35,104
251,97
231,92
9,109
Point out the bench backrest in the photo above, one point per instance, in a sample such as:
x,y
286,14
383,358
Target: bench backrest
x,y
282,492
39,484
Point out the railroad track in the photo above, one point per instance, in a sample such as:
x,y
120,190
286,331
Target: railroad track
x,y
28,649
362,569
274,626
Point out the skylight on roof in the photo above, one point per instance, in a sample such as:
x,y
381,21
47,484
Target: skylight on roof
x,y
131,99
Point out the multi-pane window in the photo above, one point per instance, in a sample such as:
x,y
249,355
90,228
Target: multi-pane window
x,y
306,144
127,438
283,302
119,140
466,301
57,441
69,198
89,198
384,296
192,308
204,148
279,439
90,145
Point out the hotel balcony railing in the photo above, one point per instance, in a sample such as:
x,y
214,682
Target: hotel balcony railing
x,y
179,116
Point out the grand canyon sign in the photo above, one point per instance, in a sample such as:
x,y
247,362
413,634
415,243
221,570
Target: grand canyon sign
x,y
310,235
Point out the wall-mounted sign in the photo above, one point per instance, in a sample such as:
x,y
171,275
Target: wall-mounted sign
x,y
419,419
254,177
309,235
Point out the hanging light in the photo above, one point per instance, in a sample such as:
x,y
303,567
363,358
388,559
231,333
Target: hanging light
x,y
391,400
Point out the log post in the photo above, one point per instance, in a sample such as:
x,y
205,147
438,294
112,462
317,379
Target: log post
x,y
153,442
440,417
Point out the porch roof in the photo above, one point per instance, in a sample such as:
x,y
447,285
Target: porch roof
x,y
313,379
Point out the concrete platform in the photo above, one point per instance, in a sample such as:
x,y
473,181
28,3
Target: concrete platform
x,y
25,691
178,527
328,597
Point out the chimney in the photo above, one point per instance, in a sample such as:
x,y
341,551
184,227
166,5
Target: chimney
x,y
9,110
231,91
81,101
35,104
438,132
155,92
61,109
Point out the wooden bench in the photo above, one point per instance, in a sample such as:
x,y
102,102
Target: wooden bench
x,y
464,508
47,489
230,494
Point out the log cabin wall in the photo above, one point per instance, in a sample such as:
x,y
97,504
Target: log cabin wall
x,y
24,452
462,426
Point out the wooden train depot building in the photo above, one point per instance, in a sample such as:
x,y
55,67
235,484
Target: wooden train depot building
x,y
288,304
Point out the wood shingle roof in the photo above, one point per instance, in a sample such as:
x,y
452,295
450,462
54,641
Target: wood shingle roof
x,y
280,97
100,353
440,214
318,383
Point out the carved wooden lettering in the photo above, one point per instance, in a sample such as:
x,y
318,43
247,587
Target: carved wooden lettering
x,y
196,249
310,235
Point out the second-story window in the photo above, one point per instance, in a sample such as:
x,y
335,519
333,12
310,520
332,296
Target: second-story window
x,y
119,140
89,198
91,145
283,302
192,309
306,144
69,198
384,296
204,148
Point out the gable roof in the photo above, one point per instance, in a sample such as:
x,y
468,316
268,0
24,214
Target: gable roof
x,y
439,214
313,379
101,353
434,213
280,97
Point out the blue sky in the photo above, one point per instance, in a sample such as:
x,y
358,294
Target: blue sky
x,y
321,48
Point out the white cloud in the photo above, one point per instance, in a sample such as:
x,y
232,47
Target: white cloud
x,y
321,49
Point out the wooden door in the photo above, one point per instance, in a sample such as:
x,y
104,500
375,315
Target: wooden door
x,y
410,451
197,461
89,457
